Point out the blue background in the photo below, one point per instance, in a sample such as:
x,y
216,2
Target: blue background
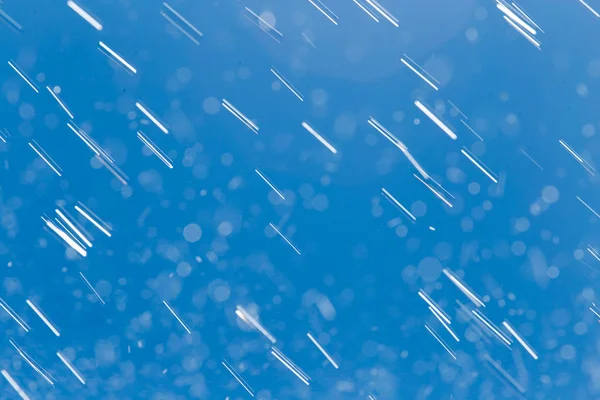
x,y
516,97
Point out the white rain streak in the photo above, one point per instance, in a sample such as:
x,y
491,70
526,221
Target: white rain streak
x,y
504,373
11,21
577,157
285,238
435,120
97,222
366,10
593,252
185,21
92,288
527,17
594,311
289,364
319,137
69,234
117,57
485,326
91,143
531,159
396,203
287,84
158,152
413,69
396,142
440,341
14,315
85,15
520,339
463,288
305,36
74,228
63,106
236,113
238,377
246,317
479,165
386,133
457,109
14,385
588,207
23,75
571,151
66,237
505,8
177,317
441,187
384,13
43,317
434,305
47,159
180,29
493,328
522,32
586,5
151,117
435,192
75,222
325,11
264,25
71,367
415,164
113,169
587,265
32,363
439,318
322,350
472,130
268,182
518,23
67,231
4,134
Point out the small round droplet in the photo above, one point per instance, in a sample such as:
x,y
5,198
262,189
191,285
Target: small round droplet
x,y
192,233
